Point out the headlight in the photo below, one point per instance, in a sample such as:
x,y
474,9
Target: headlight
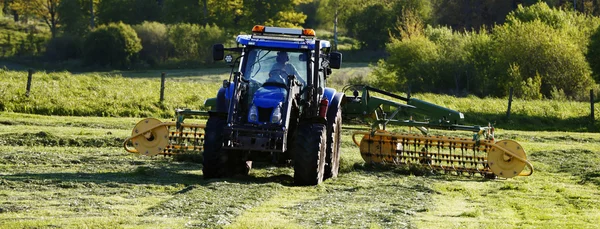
x,y
276,116
253,115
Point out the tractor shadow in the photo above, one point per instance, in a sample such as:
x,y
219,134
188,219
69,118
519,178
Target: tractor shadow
x,y
533,123
415,170
163,173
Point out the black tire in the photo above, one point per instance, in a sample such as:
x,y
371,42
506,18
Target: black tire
x,y
234,164
332,161
213,142
309,154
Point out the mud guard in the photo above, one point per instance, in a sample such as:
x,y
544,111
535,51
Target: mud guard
x,y
334,104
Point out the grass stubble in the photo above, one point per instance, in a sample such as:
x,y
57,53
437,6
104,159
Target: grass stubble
x,y
73,174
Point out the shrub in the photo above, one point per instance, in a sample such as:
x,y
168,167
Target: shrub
x,y
63,48
155,41
593,54
113,45
411,62
193,42
537,48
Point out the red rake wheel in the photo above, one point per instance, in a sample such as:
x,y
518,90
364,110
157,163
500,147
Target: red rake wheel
x,y
153,139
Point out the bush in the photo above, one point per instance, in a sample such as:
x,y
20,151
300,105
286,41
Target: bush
x,y
593,54
410,65
576,25
114,45
64,48
537,48
155,42
193,42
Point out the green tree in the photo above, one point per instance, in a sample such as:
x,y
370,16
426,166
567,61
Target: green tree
x,y
74,16
182,11
411,65
128,11
593,54
376,23
155,41
272,13
577,25
194,42
42,9
113,45
537,48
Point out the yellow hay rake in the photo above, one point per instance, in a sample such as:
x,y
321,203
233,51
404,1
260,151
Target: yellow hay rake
x,y
481,155
460,156
152,137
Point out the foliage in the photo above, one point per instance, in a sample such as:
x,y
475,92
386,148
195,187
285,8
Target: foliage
x,y
127,11
155,41
21,40
274,13
374,24
370,25
74,16
43,9
577,26
66,47
593,54
113,45
193,42
411,62
531,56
539,49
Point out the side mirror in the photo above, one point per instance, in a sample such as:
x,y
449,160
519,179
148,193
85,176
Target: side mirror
x,y
335,60
218,52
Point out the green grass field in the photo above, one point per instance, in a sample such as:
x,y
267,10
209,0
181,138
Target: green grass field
x,y
71,171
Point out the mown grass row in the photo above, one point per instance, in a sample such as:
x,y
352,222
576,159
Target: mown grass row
x,y
113,95
78,183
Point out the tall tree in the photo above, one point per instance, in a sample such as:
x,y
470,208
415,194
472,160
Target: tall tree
x,y
43,9
75,16
275,13
127,11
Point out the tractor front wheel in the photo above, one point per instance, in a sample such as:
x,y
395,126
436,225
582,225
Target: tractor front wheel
x,y
213,142
309,154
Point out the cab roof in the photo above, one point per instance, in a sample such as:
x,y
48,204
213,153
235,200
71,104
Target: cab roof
x,y
279,42
277,37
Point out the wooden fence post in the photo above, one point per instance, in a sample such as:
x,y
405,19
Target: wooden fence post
x,y
29,78
510,94
162,87
592,105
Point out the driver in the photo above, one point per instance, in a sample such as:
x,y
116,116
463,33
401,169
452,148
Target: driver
x,y
282,66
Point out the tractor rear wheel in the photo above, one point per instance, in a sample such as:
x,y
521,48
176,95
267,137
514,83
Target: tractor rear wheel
x,y
334,129
213,142
309,154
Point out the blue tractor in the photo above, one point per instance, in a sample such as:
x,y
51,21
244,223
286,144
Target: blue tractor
x,y
276,106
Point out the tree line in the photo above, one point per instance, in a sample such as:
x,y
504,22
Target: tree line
x,y
543,49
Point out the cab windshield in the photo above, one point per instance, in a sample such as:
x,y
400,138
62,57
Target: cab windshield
x,y
263,64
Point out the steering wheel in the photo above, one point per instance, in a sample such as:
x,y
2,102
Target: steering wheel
x,y
278,76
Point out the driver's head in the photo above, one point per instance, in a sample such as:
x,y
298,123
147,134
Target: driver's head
x,y
282,57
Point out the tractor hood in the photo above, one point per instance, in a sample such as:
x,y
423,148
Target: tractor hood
x,y
269,96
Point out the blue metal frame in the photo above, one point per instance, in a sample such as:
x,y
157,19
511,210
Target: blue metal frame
x,y
248,40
